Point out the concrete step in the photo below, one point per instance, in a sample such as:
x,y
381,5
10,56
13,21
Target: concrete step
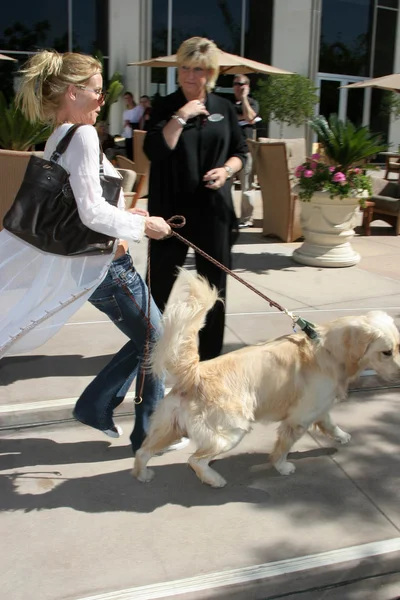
x,y
46,412
368,571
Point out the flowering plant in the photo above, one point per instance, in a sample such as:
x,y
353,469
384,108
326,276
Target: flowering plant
x,y
346,149
317,176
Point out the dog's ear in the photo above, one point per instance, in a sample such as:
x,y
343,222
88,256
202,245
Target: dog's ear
x,y
349,343
355,346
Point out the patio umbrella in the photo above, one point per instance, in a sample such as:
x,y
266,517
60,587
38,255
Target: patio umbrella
x,y
229,64
388,82
4,57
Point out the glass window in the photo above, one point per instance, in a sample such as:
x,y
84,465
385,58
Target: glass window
x,y
258,40
27,25
159,45
159,34
346,29
216,20
385,40
389,3
90,26
355,106
379,115
329,98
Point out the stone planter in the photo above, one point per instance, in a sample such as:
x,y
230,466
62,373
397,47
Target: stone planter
x,y
327,226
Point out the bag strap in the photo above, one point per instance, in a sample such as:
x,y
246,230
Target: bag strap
x,y
64,143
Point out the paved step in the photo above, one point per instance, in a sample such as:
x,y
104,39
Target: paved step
x,y
368,571
47,412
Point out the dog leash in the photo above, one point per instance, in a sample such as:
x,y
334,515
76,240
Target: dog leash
x,y
179,221
176,222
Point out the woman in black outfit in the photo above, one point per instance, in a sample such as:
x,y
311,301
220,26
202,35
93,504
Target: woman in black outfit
x,y
195,146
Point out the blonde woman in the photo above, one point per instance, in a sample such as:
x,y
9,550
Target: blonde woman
x,y
41,291
195,146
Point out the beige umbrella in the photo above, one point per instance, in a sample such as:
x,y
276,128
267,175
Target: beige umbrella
x,y
229,64
388,82
4,57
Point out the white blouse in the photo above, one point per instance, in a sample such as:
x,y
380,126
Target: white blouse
x,y
39,292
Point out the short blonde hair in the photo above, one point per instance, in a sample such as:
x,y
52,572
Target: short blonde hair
x,y
45,79
200,52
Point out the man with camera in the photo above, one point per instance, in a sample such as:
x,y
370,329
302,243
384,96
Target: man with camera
x,y
247,111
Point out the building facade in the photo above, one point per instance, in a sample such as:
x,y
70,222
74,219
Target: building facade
x,y
334,42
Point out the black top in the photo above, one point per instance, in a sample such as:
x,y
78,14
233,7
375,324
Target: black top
x,y
246,129
176,183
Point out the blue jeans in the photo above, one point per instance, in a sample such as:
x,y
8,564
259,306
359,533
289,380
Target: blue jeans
x,y
123,297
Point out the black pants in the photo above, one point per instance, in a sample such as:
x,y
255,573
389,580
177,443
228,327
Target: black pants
x,y
167,255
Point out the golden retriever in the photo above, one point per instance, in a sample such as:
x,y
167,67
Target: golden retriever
x,y
292,380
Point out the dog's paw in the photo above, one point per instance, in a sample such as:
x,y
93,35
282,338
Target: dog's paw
x,y
285,468
145,475
341,436
216,481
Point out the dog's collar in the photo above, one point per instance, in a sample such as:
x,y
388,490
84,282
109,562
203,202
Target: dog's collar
x,y
307,327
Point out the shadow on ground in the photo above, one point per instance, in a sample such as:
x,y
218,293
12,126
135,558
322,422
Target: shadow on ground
x,y
45,488
354,478
17,368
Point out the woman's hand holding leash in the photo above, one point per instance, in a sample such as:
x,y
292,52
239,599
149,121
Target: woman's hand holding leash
x,y
156,228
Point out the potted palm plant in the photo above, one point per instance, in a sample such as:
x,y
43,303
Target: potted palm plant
x,y
332,186
16,132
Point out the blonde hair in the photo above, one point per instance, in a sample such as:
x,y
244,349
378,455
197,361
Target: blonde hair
x,y
45,79
200,52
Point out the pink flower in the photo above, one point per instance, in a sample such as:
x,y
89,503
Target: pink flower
x,y
339,177
308,173
316,156
314,165
299,170
332,169
357,171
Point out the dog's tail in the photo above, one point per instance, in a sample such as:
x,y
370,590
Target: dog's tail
x,y
176,351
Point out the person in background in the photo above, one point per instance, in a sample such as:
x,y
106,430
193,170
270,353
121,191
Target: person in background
x,y
144,121
63,90
137,114
130,104
247,110
195,146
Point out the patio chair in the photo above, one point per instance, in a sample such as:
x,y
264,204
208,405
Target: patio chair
x,y
386,199
141,165
13,165
392,164
274,163
142,162
128,184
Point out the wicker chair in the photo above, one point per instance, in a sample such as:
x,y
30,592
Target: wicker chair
x,y
274,163
13,165
386,199
141,165
128,185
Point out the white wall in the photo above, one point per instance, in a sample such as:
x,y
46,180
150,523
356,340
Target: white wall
x,y
291,46
129,41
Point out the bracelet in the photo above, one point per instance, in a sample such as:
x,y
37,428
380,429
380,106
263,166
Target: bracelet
x,y
229,170
179,119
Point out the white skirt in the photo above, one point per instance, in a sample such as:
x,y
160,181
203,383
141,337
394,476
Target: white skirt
x,y
39,292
